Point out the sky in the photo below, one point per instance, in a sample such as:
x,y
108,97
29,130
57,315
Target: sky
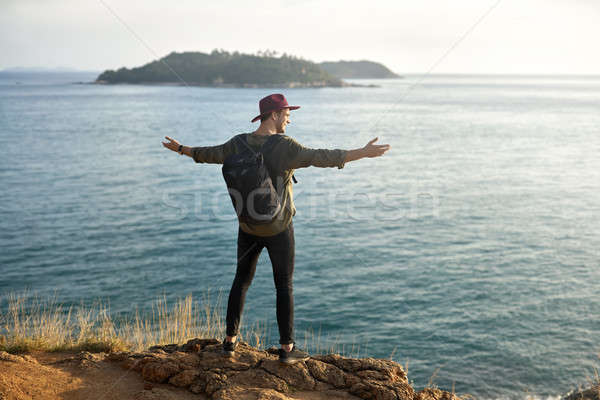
x,y
441,36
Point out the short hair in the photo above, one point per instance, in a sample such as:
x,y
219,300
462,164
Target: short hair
x,y
267,116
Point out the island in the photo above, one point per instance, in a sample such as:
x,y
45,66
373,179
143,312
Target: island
x,y
224,69
362,69
221,68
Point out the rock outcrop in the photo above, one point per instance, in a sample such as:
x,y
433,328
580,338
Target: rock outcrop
x,y
590,393
200,367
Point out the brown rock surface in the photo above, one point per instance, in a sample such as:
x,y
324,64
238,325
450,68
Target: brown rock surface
x,y
254,374
76,376
198,370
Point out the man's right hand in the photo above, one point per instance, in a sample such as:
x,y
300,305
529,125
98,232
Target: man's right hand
x,y
172,145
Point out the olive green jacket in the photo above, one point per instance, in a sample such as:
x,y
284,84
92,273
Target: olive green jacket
x,y
283,157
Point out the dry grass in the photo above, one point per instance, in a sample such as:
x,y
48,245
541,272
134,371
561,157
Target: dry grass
x,y
453,395
31,323
431,383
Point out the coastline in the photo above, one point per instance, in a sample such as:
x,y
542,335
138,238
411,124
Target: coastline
x,y
288,85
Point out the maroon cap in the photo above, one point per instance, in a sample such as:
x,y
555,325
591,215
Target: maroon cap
x,y
272,103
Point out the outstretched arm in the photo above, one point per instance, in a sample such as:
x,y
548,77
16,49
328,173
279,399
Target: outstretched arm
x,y
301,157
203,154
174,145
370,150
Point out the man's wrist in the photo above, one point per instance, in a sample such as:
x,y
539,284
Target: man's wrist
x,y
362,153
356,154
186,151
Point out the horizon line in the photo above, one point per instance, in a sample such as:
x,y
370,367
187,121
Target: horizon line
x,y
38,69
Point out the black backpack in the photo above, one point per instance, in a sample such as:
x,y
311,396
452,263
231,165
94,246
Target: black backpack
x,y
249,182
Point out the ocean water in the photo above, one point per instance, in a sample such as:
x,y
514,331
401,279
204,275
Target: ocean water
x,y
468,251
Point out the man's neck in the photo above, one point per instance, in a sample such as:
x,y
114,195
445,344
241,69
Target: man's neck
x,y
264,130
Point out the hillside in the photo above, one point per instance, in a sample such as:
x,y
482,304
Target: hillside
x,y
358,70
221,68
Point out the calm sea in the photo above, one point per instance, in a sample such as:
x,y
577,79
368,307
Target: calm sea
x,y
470,250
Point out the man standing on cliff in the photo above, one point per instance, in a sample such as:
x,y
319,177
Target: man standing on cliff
x,y
277,236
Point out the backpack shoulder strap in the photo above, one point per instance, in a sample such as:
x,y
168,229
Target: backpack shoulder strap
x,y
243,139
270,142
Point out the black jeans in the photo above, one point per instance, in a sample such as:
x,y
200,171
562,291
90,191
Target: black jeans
x,y
281,252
